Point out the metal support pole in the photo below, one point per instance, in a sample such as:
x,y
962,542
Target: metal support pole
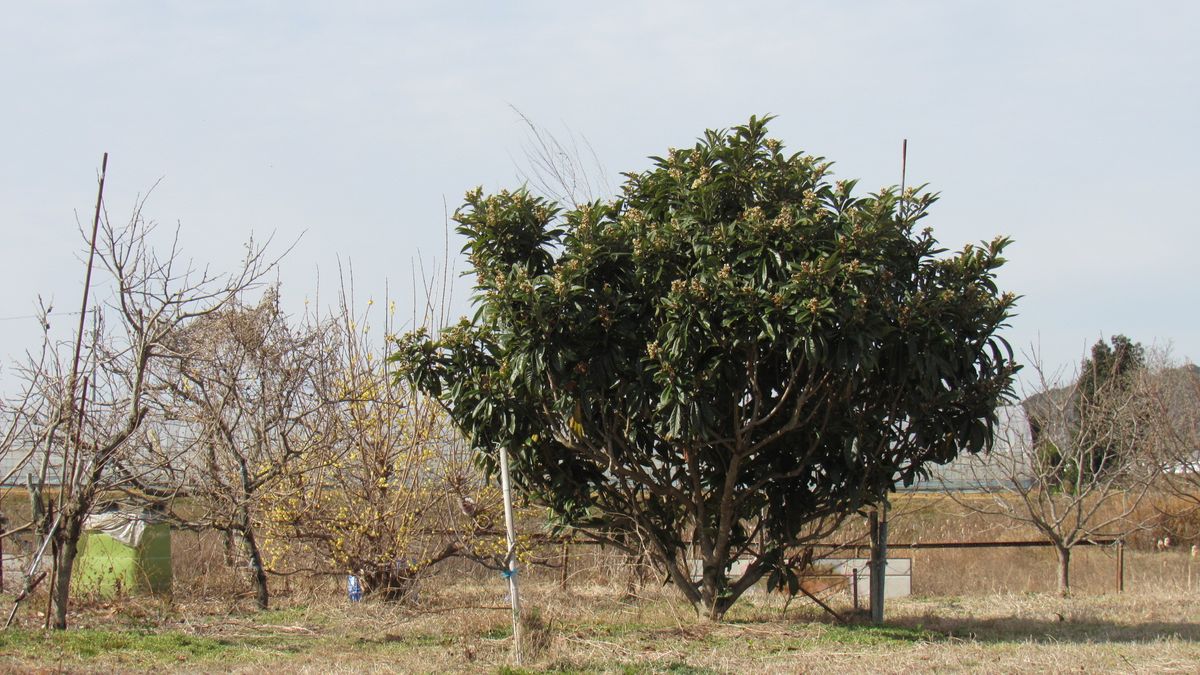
x,y
512,555
879,528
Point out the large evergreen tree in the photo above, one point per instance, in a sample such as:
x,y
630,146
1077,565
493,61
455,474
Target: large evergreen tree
x,y
724,361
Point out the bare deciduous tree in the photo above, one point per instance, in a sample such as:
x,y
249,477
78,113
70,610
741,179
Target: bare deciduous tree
x,y
1175,392
90,395
238,408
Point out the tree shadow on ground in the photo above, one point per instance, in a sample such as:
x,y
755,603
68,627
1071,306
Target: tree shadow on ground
x,y
1053,628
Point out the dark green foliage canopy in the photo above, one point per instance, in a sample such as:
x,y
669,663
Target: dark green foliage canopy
x,y
736,352
1111,365
1106,405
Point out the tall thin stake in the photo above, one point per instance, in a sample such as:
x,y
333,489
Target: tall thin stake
x,y
87,287
511,572
66,481
879,517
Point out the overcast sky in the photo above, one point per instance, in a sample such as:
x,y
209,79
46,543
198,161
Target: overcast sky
x,y
1071,127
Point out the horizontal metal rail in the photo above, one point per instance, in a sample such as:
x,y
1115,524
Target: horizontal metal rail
x,y
970,544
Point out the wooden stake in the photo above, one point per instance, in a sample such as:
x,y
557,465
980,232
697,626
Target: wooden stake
x,y
1192,559
566,560
854,587
66,479
70,455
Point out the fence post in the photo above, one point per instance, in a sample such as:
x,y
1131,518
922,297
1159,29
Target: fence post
x,y
1121,566
1190,562
566,560
854,586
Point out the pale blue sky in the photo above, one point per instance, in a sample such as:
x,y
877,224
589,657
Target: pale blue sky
x,y
1072,128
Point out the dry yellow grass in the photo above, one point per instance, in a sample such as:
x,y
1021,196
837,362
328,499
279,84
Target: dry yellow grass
x,y
463,627
974,611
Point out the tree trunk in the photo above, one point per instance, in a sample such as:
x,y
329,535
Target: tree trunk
x,y
1064,570
679,576
258,573
715,608
390,583
718,592
230,547
68,538
712,581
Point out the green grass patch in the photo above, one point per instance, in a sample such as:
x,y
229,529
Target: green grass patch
x,y
498,632
611,630
873,636
411,640
295,614
88,644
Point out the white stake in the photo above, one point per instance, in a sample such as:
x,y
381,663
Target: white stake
x,y
512,555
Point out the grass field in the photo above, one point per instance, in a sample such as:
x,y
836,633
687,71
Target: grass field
x,y
465,628
977,610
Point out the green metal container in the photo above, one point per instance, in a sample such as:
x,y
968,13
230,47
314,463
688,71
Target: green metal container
x,y
123,553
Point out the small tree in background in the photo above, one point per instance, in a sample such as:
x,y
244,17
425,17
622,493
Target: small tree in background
x,y
385,489
1071,471
731,353
1174,389
239,395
